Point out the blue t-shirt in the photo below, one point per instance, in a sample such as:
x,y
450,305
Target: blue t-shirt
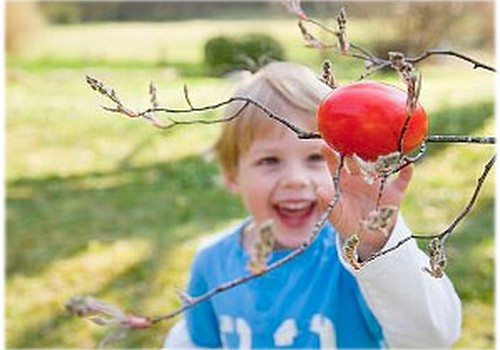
x,y
310,302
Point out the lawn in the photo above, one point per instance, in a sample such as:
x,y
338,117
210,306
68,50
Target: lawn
x,y
101,205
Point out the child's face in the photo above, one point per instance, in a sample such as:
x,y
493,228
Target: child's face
x,y
277,179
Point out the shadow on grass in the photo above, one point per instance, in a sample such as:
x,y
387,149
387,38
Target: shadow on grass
x,y
135,286
470,268
53,218
471,254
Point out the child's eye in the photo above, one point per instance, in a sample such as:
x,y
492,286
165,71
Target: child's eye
x,y
268,161
316,157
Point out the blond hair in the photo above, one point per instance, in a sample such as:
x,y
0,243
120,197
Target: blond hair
x,y
289,90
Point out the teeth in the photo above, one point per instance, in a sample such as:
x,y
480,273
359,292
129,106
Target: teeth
x,y
295,206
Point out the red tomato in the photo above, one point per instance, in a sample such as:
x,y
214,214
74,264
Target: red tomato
x,y
366,119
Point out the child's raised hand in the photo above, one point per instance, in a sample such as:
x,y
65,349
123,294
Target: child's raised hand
x,y
358,199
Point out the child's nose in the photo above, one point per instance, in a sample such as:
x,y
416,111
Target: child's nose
x,y
295,177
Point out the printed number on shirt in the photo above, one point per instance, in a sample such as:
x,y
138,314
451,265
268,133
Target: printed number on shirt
x,y
284,335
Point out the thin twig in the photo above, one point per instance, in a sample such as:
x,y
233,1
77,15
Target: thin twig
x,y
346,48
480,181
103,89
448,231
186,97
460,139
388,250
321,25
302,134
379,62
231,284
429,53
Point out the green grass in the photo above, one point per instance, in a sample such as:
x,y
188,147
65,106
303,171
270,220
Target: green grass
x,y
98,204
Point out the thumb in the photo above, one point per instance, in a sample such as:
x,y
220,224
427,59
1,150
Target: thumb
x,y
402,181
332,159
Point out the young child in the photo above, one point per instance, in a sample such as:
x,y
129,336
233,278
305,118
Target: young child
x,y
316,300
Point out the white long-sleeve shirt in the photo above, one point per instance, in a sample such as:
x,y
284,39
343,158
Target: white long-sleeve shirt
x,y
414,309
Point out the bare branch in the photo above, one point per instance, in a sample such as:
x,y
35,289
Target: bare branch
x,y
306,244
412,79
372,68
311,40
108,315
376,63
103,89
184,297
480,181
294,7
186,96
190,301
110,93
105,314
151,112
351,251
410,76
150,115
460,139
438,260
327,75
153,95
262,246
429,53
388,250
342,33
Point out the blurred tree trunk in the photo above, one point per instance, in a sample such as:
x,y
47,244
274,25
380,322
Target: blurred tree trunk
x,y
23,20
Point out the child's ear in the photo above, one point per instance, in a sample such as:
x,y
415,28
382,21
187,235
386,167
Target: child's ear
x,y
231,182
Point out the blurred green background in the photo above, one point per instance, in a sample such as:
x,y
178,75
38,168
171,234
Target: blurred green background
x,y
101,205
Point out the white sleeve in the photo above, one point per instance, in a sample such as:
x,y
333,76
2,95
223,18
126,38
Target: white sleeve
x,y
414,309
178,337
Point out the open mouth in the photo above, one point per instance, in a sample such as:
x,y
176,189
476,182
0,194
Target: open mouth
x,y
296,213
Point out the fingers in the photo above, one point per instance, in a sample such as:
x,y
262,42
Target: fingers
x,y
332,159
403,179
352,166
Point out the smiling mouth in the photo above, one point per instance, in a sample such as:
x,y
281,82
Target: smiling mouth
x,y
295,214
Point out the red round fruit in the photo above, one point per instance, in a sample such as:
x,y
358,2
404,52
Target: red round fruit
x,y
366,118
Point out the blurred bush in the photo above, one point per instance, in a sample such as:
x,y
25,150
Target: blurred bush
x,y
23,20
259,49
223,54
220,55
